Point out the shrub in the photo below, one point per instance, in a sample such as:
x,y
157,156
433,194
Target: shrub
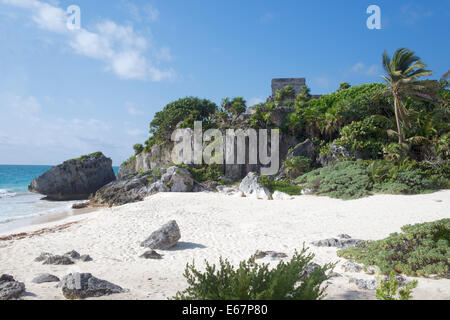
x,y
282,186
421,250
389,289
365,138
138,148
252,281
188,110
296,166
205,173
344,180
236,106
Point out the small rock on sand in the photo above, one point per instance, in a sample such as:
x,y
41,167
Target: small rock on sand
x,y
45,277
164,238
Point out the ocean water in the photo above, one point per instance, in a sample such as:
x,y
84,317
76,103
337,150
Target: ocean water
x,y
16,202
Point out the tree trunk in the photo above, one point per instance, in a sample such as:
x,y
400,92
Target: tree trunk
x,y
397,119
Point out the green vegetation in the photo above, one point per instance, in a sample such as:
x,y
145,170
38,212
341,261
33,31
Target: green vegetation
x,y
138,148
205,173
345,180
86,157
282,186
252,281
420,250
402,71
395,134
185,111
296,166
355,179
389,289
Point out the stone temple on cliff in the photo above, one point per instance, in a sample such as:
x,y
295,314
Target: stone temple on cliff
x,y
295,83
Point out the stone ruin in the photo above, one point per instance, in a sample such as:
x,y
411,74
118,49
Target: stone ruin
x,y
281,83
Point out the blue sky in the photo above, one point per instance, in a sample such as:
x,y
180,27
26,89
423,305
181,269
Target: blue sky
x,y
64,93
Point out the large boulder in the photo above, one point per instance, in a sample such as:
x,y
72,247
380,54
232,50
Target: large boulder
x,y
305,149
177,179
85,285
121,192
10,288
164,238
141,185
251,187
75,179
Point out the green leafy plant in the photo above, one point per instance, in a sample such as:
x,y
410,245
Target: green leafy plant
x,y
291,280
389,289
138,148
282,186
420,250
345,180
296,166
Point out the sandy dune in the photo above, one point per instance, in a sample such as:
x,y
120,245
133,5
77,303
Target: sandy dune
x,y
214,225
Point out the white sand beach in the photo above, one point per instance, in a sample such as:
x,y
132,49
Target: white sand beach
x,y
214,225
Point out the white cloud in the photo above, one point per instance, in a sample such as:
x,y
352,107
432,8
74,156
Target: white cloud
x,y
361,68
145,13
124,52
132,110
39,138
414,13
254,101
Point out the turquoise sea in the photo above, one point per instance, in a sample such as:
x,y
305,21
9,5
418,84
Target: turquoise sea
x,y
16,202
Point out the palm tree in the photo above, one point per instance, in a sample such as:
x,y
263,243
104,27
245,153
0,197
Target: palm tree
x,y
403,70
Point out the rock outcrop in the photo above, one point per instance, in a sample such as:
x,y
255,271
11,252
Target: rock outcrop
x,y
10,288
85,285
343,242
251,187
335,154
75,179
164,238
136,188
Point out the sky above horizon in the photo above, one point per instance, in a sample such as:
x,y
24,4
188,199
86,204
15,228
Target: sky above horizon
x,y
64,93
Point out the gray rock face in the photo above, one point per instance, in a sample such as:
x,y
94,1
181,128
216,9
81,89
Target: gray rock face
x,y
338,243
281,83
164,238
43,256
351,267
84,285
58,260
136,188
305,149
73,254
151,254
9,288
45,277
363,284
251,187
75,179
271,254
179,180
337,153
86,258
